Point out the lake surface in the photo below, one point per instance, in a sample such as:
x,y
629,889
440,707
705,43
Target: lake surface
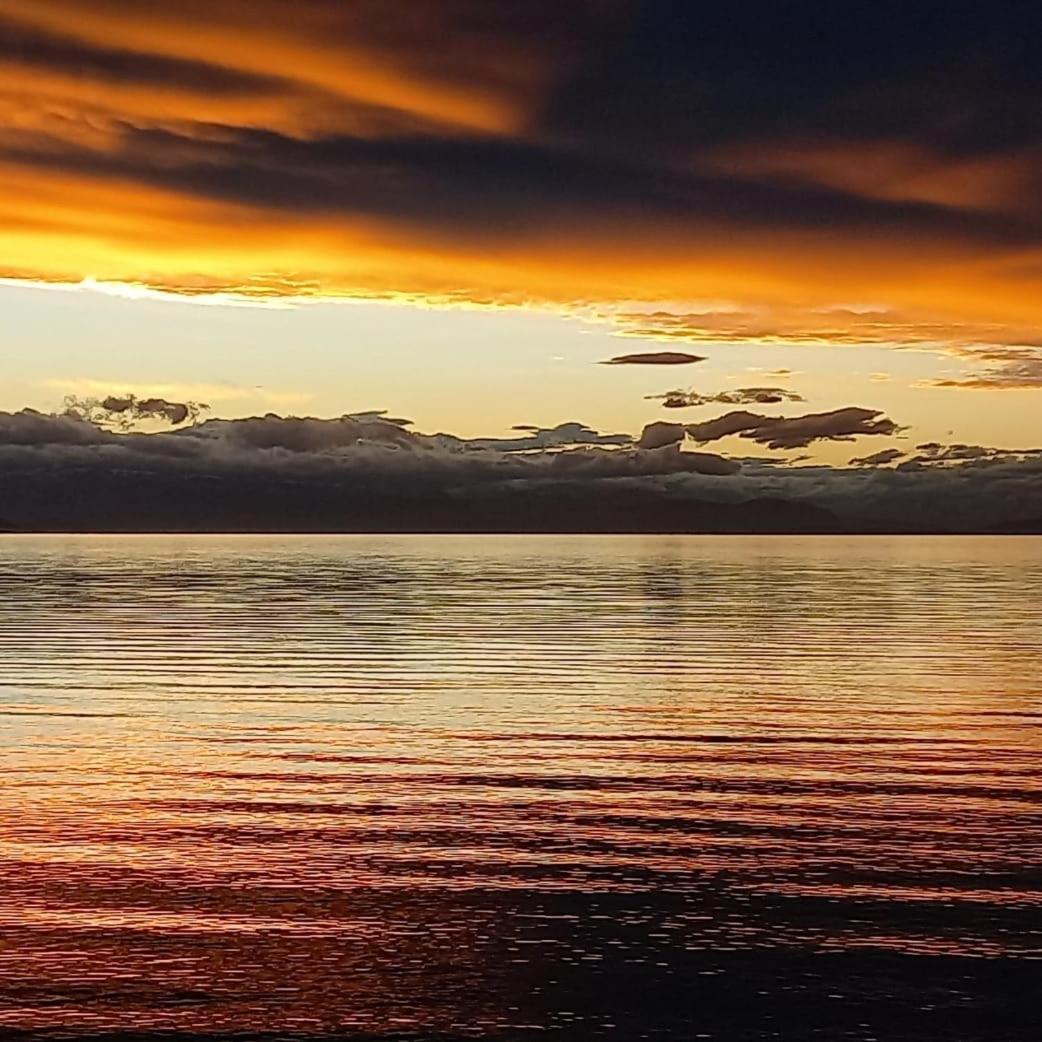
x,y
521,787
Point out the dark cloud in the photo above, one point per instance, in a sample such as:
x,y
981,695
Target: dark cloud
x,y
657,435
726,425
654,358
479,190
564,434
934,454
1003,494
741,396
361,443
125,412
379,416
300,435
878,459
667,77
137,409
367,473
960,75
30,427
795,432
933,450
352,473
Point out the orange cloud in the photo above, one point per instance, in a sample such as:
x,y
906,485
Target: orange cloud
x,y
900,171
330,48
441,152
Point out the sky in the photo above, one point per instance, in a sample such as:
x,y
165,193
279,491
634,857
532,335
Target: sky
x,y
455,210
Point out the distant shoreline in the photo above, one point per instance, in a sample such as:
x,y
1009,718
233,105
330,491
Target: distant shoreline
x,y
485,533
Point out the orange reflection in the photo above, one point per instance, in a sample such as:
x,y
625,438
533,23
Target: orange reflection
x,y
354,784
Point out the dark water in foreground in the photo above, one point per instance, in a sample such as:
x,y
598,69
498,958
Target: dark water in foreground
x,y
513,788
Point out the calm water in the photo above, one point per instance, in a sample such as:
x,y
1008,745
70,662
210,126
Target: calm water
x,y
513,788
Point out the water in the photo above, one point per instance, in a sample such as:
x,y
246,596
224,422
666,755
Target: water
x,y
524,787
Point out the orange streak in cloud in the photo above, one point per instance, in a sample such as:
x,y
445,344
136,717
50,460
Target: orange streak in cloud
x,y
320,69
68,226
265,39
895,171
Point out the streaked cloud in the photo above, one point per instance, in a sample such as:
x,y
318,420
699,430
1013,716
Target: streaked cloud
x,y
878,459
795,432
578,156
1013,369
934,454
655,358
829,326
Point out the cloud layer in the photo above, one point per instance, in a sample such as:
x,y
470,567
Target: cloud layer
x,y
369,471
797,165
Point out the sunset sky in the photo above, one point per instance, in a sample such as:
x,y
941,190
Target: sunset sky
x,y
454,209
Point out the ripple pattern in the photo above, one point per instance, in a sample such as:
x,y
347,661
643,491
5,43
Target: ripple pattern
x,y
467,787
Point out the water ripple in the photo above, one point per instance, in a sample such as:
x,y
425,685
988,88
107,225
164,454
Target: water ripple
x,y
438,787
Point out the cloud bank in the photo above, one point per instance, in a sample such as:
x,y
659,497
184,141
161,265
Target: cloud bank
x,y
370,472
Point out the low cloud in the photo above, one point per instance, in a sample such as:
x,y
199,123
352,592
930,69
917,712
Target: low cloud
x,y
355,466
657,435
215,393
561,436
379,416
1017,369
878,459
796,432
934,454
939,453
741,396
137,409
127,411
368,471
655,358
30,427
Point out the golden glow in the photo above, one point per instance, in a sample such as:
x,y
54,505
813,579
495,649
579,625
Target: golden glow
x,y
64,228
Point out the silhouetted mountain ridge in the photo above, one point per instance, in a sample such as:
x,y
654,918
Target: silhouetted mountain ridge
x,y
1024,526
134,502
